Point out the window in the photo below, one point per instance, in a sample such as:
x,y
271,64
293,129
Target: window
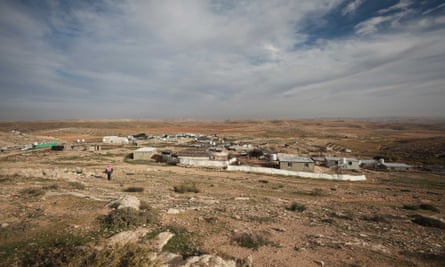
x,y
306,165
289,164
350,163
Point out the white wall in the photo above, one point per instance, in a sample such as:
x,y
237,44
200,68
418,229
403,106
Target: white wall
x,y
204,162
340,177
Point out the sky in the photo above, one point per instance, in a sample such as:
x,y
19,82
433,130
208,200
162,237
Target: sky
x,y
231,59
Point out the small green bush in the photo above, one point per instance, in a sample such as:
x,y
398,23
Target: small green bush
x,y
128,255
128,218
32,192
77,185
410,207
51,187
133,189
428,207
186,188
184,242
374,218
46,249
252,240
317,192
294,206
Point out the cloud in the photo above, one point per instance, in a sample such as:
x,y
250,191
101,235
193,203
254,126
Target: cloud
x,y
352,7
434,9
402,5
213,59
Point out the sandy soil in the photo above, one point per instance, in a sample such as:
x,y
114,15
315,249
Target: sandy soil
x,y
367,223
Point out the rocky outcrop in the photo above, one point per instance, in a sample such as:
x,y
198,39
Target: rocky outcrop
x,y
166,259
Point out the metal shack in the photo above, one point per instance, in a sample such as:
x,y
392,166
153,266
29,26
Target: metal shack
x,y
292,163
144,153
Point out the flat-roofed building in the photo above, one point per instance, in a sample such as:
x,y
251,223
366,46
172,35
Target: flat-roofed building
x,y
292,163
144,153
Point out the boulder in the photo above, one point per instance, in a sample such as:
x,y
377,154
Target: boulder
x,y
162,239
125,202
123,238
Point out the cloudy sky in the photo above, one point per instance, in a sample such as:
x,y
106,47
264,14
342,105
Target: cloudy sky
x,y
229,59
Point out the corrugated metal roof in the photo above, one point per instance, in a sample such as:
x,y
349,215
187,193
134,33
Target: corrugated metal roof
x,y
295,159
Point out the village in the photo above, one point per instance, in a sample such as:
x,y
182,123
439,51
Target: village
x,y
331,161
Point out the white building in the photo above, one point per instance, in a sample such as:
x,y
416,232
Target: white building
x,y
144,153
115,140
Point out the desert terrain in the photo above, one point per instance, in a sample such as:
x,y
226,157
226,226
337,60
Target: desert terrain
x,y
58,208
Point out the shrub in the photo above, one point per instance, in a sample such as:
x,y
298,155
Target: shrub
x,y
128,255
51,187
128,218
77,185
317,192
294,206
186,187
184,242
32,192
410,207
48,249
374,218
252,240
428,207
144,206
134,189
71,255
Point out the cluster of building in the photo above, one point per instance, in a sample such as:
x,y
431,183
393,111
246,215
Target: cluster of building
x,y
211,151
341,163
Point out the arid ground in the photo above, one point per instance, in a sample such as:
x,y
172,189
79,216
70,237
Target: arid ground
x,y
55,212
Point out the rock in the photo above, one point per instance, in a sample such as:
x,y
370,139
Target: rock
x,y
249,261
242,198
4,225
173,211
126,202
208,260
379,248
320,262
123,238
170,259
162,239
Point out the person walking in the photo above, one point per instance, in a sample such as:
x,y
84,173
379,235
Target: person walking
x,y
109,171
